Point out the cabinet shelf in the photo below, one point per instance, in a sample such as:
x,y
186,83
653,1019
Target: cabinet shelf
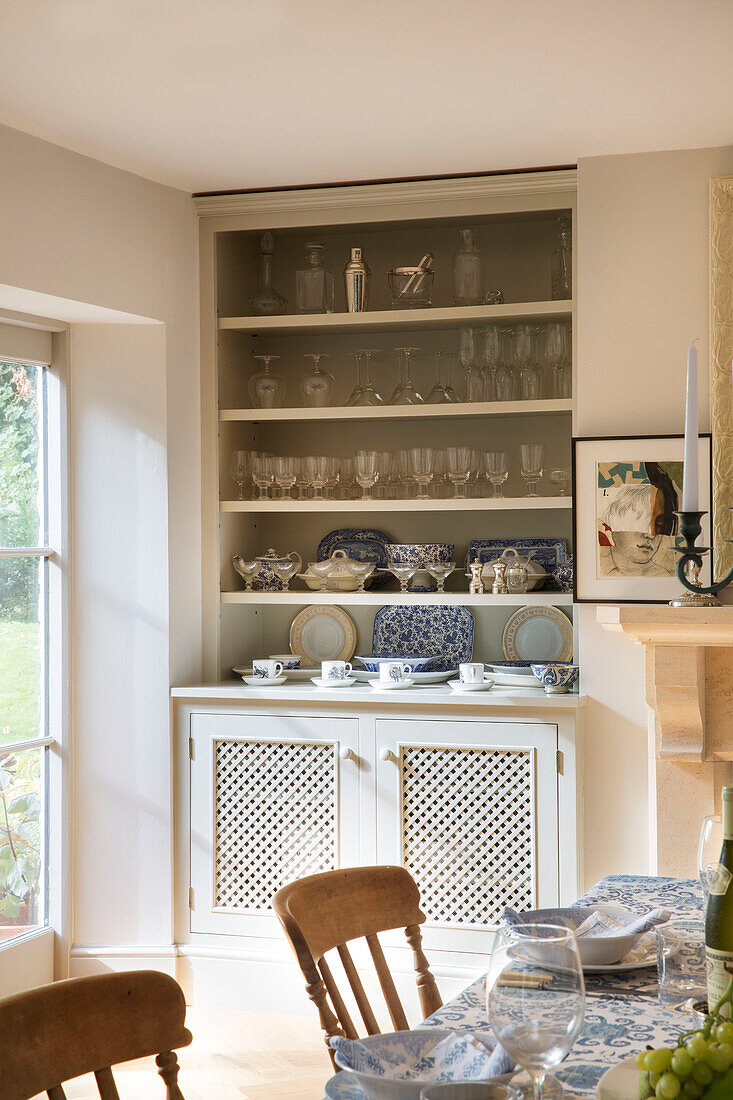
x,y
452,504
448,317
380,598
544,407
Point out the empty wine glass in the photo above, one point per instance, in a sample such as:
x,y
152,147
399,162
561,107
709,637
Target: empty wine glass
x,y
364,392
403,573
533,461
708,853
441,570
366,464
240,470
491,359
504,379
535,998
530,375
422,460
316,385
315,470
497,470
385,481
438,394
262,474
286,472
459,468
405,393
450,371
266,389
561,478
333,475
346,479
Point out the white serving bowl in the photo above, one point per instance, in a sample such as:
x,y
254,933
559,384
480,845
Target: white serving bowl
x,y
408,1046
595,950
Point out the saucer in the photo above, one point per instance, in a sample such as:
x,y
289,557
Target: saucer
x,y
482,685
348,681
265,681
391,685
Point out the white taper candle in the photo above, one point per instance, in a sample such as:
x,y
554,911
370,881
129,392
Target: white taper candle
x,y
689,490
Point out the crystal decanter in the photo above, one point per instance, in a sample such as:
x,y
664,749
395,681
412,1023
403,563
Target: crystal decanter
x,y
314,285
467,277
266,302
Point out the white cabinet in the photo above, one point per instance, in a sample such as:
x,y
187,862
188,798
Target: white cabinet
x,y
470,808
271,801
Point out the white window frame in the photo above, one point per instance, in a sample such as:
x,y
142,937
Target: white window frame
x,y
43,954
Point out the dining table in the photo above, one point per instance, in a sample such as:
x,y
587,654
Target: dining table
x,y
622,1012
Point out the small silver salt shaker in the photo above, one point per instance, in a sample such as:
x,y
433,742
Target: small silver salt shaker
x,y
499,587
356,278
476,587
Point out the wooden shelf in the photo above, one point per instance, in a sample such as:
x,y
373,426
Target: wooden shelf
x,y
451,504
399,319
544,407
381,598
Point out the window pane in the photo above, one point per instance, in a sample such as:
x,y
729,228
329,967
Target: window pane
x,y
22,649
22,842
21,455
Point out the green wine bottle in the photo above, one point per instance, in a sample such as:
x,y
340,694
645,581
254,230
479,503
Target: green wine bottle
x,y
719,913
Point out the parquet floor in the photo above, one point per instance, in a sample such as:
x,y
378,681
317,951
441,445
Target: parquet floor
x,y
234,1056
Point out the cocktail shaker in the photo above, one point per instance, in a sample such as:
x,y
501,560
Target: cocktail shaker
x,y
356,278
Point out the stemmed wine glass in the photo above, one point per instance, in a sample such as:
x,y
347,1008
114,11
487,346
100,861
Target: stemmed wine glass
x,y
530,376
316,385
405,393
556,348
262,474
240,470
316,470
533,461
491,360
422,460
366,464
535,998
364,392
708,853
459,468
560,476
286,474
467,359
497,470
266,389
439,393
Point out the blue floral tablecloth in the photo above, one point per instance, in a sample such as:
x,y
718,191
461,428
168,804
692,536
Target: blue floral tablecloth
x,y
614,1028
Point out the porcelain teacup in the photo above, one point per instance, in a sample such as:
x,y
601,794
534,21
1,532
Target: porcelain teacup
x,y
472,672
393,671
335,670
264,668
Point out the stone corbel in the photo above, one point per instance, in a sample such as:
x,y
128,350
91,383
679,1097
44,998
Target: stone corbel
x,y
675,691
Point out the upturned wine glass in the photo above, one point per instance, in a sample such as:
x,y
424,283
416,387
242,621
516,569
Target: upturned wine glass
x,y
497,470
405,393
316,385
535,998
241,470
366,464
266,389
364,393
422,460
533,461
438,394
459,468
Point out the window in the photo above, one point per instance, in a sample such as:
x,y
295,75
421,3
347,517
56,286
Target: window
x,y
26,634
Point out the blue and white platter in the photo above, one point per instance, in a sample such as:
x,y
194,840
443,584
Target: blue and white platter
x,y
401,631
363,544
547,552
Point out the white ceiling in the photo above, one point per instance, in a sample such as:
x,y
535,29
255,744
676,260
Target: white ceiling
x,y
214,94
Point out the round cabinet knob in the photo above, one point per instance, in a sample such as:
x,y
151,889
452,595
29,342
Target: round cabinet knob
x,y
387,754
347,754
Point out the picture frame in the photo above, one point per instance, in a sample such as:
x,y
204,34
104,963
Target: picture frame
x,y
625,491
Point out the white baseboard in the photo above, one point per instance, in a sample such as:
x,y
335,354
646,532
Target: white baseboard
x,y
88,959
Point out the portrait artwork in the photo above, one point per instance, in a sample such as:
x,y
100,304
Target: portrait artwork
x,y
636,524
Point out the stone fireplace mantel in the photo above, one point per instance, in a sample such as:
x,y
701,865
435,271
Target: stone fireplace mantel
x,y
689,690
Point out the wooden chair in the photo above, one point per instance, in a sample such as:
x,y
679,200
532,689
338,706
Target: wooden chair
x,y
86,1025
325,911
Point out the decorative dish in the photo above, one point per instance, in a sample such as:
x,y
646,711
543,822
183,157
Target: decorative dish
x,y
365,677
364,544
537,634
323,633
412,631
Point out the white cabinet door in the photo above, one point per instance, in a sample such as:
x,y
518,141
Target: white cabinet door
x,y
470,809
271,801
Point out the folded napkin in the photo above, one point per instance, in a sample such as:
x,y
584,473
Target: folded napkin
x,y
458,1057
598,924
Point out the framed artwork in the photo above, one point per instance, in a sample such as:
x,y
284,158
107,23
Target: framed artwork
x,y
627,490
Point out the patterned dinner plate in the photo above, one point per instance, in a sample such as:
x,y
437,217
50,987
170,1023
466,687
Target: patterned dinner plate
x,y
620,1082
537,634
362,544
322,632
401,631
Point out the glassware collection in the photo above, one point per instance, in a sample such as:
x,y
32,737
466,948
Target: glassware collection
x,y
410,286
493,363
417,473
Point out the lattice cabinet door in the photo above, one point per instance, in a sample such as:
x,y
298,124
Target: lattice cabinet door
x,y
470,809
272,799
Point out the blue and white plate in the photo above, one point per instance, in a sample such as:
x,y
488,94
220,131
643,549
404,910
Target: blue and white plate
x,y
427,663
415,631
363,544
547,552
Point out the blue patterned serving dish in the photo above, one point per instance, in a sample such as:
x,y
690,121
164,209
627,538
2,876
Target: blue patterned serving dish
x,y
371,662
402,631
563,575
556,677
420,553
364,544
546,552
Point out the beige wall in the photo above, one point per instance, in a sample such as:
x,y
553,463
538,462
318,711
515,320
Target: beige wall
x,y
642,246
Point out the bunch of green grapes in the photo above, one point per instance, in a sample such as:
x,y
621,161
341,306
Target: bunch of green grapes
x,y
700,1066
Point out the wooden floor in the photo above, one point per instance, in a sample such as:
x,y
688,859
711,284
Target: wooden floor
x,y
234,1056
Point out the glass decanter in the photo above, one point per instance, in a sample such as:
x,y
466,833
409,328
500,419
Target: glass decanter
x,y
266,302
467,278
266,389
562,262
313,285
316,386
